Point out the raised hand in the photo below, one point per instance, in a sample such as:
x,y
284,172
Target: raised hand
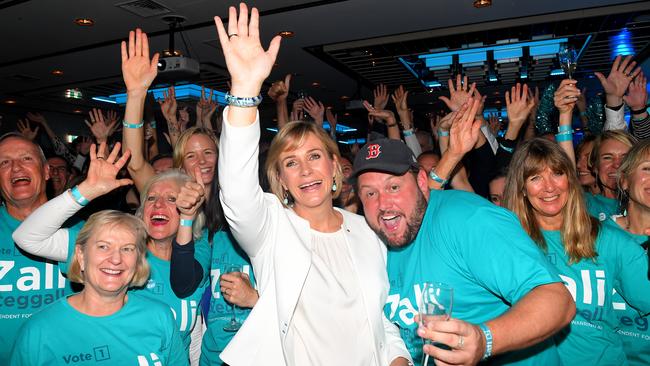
x,y
399,98
619,78
99,128
566,96
279,90
385,114
191,196
25,129
465,128
494,123
637,93
518,104
315,109
205,108
183,119
36,118
103,170
380,95
444,123
138,70
248,63
460,94
296,110
168,104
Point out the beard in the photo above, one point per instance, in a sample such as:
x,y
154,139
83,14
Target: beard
x,y
413,224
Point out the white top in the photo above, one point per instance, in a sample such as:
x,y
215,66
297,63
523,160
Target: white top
x,y
314,337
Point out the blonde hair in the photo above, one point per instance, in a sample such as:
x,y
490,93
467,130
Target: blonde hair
x,y
110,220
180,178
637,154
178,155
618,135
289,138
579,230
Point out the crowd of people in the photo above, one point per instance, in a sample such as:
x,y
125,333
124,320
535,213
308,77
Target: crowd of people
x,y
230,251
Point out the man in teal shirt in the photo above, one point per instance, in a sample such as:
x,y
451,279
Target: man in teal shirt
x,y
507,298
27,283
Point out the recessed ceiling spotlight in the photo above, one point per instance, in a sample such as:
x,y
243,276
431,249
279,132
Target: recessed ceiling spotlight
x,y
84,22
315,84
482,3
57,72
346,114
10,101
345,97
77,111
286,34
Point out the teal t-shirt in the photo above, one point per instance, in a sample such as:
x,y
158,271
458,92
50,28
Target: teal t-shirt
x,y
600,206
481,251
225,250
61,335
158,288
591,338
27,284
632,326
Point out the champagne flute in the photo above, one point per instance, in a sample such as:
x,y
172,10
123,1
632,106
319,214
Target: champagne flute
x,y
437,301
568,59
233,325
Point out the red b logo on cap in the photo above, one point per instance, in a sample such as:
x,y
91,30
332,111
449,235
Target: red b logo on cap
x,y
373,151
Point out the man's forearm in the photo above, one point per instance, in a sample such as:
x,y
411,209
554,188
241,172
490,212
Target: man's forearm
x,y
538,315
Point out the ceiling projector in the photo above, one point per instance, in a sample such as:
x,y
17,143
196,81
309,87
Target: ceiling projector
x,y
178,66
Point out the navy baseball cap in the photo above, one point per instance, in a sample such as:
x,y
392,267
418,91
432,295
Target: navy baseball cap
x,y
386,156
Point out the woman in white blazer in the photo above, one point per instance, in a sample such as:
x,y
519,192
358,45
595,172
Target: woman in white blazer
x,y
321,271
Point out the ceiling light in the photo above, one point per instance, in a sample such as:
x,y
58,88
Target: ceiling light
x,y
346,114
78,111
482,3
315,84
345,97
285,34
84,22
10,101
57,72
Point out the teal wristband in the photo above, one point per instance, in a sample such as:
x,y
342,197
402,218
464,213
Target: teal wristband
x,y
132,125
408,132
436,178
488,341
78,197
186,222
564,137
505,148
565,128
152,124
443,133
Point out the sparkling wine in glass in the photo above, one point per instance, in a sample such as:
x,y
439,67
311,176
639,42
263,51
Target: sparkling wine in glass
x,y
568,60
233,325
437,301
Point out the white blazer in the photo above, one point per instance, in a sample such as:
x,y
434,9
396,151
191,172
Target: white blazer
x,y
275,240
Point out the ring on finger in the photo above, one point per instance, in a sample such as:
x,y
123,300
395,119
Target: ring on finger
x,y
461,342
100,157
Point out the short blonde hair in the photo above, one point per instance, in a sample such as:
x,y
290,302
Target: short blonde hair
x,y
179,148
112,219
180,178
637,154
618,135
579,230
289,138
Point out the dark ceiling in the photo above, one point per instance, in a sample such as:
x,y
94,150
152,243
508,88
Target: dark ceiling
x,y
345,46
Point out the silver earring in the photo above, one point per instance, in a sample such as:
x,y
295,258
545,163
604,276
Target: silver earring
x,y
334,187
286,198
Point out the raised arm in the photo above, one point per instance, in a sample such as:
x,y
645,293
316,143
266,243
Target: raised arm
x,y
565,100
278,93
637,99
400,99
41,233
138,71
386,115
615,85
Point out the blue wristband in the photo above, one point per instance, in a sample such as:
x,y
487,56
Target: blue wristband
x,y
508,149
443,133
437,179
152,124
186,222
132,125
564,128
243,102
408,132
488,341
78,197
564,137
